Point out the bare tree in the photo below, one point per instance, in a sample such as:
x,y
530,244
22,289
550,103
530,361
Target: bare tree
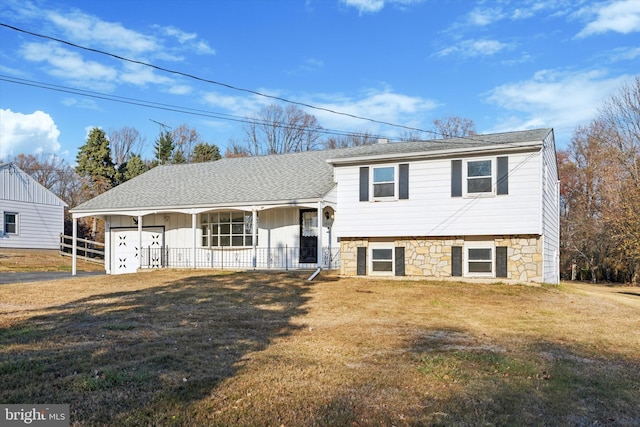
x,y
351,140
281,130
413,135
620,118
43,168
454,126
124,142
185,138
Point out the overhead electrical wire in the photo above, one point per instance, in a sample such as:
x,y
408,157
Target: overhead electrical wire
x,y
229,86
471,138
170,107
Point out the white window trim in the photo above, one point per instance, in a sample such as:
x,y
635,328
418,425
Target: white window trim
x,y
479,245
465,182
396,183
207,225
370,249
4,223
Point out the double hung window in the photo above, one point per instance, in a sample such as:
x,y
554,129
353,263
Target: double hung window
x,y
10,223
479,259
479,176
384,182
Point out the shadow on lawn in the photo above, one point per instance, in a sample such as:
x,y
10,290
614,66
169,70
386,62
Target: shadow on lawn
x,y
470,381
133,357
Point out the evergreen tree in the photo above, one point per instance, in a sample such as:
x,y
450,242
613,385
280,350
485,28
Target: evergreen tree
x,y
131,168
204,152
164,147
95,163
178,158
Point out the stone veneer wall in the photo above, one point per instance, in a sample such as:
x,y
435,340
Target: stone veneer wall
x,y
431,256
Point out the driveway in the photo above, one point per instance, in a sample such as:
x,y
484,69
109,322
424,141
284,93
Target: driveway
x,y
44,276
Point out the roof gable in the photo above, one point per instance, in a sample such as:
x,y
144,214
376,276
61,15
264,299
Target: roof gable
x,y
17,185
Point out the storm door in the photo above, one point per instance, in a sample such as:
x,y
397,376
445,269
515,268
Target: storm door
x,y
309,236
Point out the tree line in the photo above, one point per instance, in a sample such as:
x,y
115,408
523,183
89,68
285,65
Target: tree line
x,y
599,172
600,193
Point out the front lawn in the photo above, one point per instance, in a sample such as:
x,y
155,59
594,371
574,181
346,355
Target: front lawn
x,y
219,348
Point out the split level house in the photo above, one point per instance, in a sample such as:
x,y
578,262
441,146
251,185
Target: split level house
x,y
482,207
31,216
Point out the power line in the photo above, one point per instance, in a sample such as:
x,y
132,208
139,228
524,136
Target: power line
x,y
170,107
226,85
229,86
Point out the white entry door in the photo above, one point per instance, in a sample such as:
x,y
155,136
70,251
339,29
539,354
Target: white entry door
x,y
127,249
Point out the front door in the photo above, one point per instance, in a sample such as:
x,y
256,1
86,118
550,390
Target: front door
x,y
309,236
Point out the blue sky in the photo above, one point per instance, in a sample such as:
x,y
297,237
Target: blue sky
x,y
507,65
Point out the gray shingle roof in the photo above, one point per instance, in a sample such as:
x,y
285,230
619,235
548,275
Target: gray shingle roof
x,y
264,179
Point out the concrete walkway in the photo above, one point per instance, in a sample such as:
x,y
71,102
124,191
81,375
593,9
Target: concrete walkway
x,y
44,276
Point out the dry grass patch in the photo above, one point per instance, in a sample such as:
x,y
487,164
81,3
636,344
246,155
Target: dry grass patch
x,y
30,260
206,348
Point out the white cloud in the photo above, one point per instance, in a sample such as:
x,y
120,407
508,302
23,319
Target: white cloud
x,y
140,75
34,133
383,105
70,66
373,6
84,103
558,99
474,48
190,40
113,35
620,16
482,17
180,89
378,104
366,6
625,53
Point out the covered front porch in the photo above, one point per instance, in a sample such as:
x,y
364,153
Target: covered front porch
x,y
278,237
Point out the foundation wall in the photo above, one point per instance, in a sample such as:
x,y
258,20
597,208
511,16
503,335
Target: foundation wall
x,y
431,257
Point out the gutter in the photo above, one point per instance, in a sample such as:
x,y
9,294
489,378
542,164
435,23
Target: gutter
x,y
433,154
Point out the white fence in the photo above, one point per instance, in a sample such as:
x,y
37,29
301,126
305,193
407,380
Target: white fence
x,y
282,258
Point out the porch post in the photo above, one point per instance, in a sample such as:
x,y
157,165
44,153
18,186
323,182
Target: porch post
x,y
139,241
254,236
319,235
194,223
74,248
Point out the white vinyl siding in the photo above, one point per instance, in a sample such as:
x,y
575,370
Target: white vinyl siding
x,y
431,211
37,226
550,215
40,213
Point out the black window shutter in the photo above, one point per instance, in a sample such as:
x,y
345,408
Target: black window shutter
x,y
456,178
501,261
404,181
362,261
399,261
456,261
503,175
364,184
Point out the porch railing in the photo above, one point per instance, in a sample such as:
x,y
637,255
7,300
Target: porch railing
x,y
280,258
